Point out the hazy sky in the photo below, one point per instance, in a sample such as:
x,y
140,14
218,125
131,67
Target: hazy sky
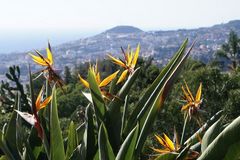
x,y
92,15
29,24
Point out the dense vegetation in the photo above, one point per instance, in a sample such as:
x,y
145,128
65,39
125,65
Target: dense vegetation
x,y
220,91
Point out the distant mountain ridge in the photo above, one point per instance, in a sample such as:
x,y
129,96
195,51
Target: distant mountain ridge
x,y
124,29
159,44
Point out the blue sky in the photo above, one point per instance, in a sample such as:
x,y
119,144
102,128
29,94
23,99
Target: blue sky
x,y
50,17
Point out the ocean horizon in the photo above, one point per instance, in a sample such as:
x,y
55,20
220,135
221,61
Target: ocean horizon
x,y
23,41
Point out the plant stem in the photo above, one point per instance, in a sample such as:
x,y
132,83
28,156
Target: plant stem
x,y
184,128
46,145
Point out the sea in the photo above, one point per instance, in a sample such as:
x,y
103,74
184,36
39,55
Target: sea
x,y
21,41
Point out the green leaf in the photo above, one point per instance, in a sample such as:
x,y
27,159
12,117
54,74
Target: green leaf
x,y
153,90
97,99
146,121
33,145
20,131
222,144
11,133
79,153
31,89
4,147
155,102
128,147
8,138
233,152
90,140
183,154
113,89
114,116
105,149
124,115
196,147
80,132
72,140
56,140
96,157
167,156
3,158
211,134
194,138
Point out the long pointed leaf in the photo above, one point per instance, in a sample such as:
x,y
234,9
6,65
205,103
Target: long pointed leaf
x,y
89,134
223,142
97,99
11,133
33,145
105,149
211,134
56,140
80,132
233,152
148,113
150,91
79,153
5,148
194,138
72,140
167,156
128,147
114,119
124,115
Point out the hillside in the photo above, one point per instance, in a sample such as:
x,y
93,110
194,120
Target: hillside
x,y
124,30
159,44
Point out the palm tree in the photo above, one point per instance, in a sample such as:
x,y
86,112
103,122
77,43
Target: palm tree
x,y
230,51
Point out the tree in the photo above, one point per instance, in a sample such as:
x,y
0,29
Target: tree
x,y
230,51
67,75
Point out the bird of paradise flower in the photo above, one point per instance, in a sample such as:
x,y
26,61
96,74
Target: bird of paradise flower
x,y
33,119
192,107
47,62
101,83
129,62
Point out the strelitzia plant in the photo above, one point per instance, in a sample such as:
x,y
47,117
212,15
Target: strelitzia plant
x,y
108,133
129,62
167,144
193,104
47,62
33,119
101,83
192,108
172,149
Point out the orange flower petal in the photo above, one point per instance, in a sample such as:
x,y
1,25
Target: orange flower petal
x,y
185,107
38,60
117,61
98,78
45,103
83,81
161,150
160,140
38,100
107,80
123,76
169,142
199,93
188,90
49,55
135,58
187,96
